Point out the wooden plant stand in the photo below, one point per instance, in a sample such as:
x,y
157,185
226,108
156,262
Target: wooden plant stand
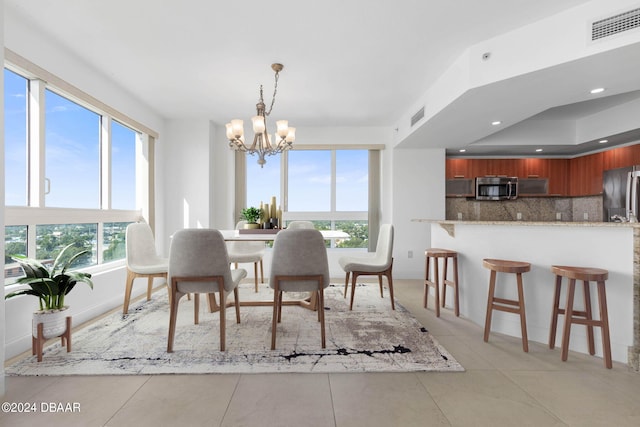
x,y
37,343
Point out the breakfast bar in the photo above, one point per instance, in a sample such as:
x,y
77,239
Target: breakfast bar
x,y
610,246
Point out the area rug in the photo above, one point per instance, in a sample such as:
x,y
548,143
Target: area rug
x,y
371,338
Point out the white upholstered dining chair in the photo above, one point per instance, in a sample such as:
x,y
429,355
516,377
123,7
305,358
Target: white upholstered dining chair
x,y
199,264
247,252
296,225
299,265
378,263
142,259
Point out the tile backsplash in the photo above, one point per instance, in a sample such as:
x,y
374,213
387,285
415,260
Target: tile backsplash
x,y
575,209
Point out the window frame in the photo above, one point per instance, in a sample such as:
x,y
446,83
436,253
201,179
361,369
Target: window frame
x,y
372,215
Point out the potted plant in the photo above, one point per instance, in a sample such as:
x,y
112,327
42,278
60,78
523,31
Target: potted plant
x,y
252,216
50,285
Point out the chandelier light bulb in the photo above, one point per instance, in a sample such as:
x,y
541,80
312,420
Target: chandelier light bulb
x,y
282,127
291,135
237,127
258,124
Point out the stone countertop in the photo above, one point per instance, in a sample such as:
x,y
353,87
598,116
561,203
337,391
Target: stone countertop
x,y
532,223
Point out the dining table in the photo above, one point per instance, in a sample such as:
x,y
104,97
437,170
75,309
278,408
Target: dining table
x,y
265,235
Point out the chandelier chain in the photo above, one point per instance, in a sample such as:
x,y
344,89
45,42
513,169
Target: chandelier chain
x,y
275,90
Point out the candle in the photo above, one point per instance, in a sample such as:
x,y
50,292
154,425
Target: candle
x,y
279,217
266,212
272,213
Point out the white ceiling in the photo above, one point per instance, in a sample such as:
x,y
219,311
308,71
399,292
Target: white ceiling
x,y
347,62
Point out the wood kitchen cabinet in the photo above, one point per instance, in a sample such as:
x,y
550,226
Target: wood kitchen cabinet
x,y
621,157
585,175
579,176
586,171
556,170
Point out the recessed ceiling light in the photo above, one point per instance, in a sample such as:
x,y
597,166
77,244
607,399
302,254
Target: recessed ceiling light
x,y
496,123
462,150
603,141
538,150
597,90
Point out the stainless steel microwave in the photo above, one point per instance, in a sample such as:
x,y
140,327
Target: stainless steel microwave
x,y
496,188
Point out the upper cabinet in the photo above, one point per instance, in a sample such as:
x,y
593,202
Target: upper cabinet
x,y
580,176
556,170
585,175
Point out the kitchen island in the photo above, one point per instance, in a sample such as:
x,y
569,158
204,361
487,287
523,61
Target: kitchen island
x,y
612,246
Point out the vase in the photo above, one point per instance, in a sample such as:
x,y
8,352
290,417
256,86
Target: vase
x,y
54,322
251,225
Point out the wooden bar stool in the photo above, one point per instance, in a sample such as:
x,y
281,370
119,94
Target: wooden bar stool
x,y
501,304
584,317
435,254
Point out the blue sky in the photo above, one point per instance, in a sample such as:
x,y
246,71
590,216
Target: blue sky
x,y
310,180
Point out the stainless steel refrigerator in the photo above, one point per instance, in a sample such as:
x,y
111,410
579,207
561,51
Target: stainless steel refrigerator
x,y
620,194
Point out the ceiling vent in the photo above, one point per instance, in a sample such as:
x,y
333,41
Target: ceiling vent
x,y
417,116
615,24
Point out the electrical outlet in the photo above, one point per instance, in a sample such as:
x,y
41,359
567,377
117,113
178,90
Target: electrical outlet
x,y
559,216
586,216
519,215
459,216
410,254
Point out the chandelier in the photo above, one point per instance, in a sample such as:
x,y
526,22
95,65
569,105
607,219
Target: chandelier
x,y
263,144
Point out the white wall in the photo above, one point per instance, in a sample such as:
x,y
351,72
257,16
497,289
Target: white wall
x,y
222,180
538,132
418,189
551,41
619,119
607,247
185,157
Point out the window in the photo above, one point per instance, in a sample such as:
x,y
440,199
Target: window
x,y
72,154
123,166
51,238
263,182
352,180
15,139
309,181
15,243
72,170
114,240
328,186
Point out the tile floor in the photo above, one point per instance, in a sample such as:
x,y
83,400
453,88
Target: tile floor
x,y
502,386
